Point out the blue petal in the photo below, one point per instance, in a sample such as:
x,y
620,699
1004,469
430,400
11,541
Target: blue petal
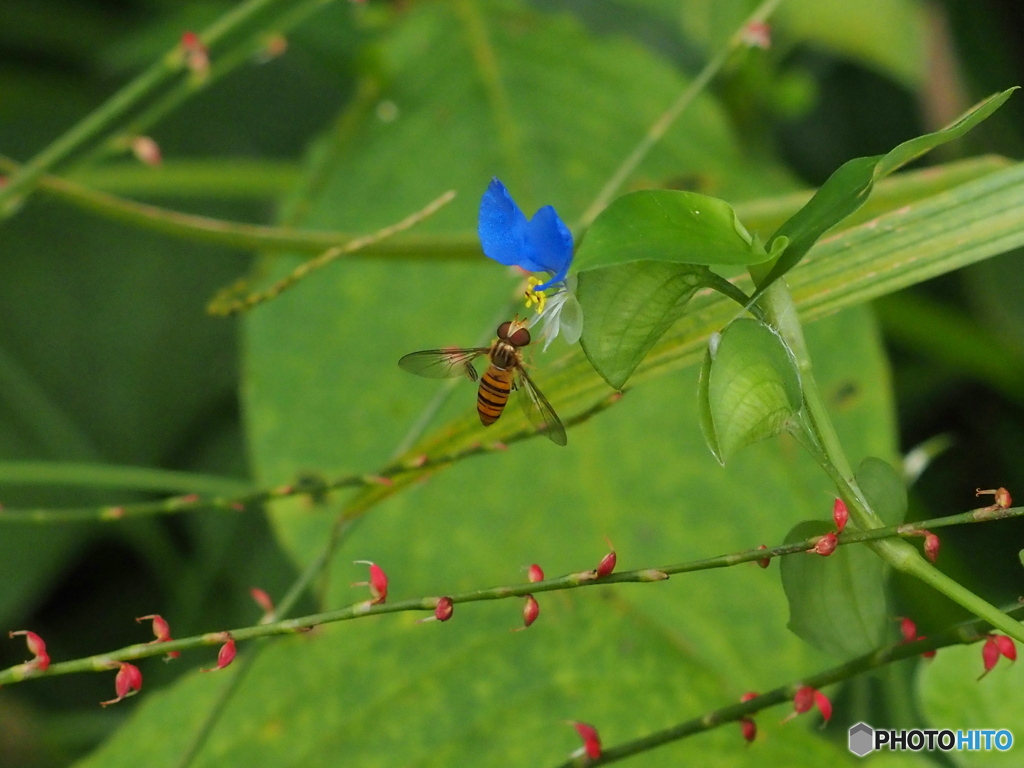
x,y
549,244
502,226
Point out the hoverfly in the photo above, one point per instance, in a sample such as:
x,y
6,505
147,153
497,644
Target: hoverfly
x,y
504,373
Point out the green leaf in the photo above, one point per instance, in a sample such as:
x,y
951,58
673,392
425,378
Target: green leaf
x,y
953,697
884,489
666,225
836,603
749,388
846,190
627,308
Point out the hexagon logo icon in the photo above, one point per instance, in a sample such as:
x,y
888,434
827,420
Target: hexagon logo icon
x,y
862,739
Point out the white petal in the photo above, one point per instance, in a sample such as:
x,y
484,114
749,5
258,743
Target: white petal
x,y
571,319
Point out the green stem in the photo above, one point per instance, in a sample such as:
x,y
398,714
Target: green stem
x,y
273,626
663,123
111,476
165,69
248,236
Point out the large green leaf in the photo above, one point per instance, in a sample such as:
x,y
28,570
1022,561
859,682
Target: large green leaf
x,y
846,190
666,225
836,603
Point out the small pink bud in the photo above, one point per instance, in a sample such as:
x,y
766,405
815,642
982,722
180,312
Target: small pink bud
x,y
757,34
535,574
749,729
1006,647
840,514
36,647
931,547
146,150
803,699
262,599
531,610
764,562
275,45
418,461
387,482
749,696
191,498
929,654
378,582
607,565
908,630
197,57
127,683
225,655
826,545
162,632
823,704
444,609
591,740
807,697
989,655
1002,497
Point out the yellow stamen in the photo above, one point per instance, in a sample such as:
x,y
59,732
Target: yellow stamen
x,y
533,297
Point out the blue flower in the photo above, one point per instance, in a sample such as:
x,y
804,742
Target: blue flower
x,y
540,244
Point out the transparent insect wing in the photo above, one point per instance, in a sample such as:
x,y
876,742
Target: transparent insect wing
x,y
537,408
443,363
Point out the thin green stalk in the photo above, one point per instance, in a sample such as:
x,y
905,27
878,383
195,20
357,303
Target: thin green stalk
x,y
580,579
226,62
116,476
962,634
105,117
663,123
247,236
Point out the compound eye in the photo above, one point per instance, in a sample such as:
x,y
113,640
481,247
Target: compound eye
x,y
520,338
503,330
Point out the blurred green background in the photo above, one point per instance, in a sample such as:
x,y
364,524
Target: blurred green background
x,y
107,355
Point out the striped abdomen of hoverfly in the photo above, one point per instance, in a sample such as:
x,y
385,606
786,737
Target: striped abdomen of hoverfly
x,y
496,383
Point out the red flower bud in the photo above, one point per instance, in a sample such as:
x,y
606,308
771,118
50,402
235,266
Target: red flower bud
x,y
36,647
826,545
749,696
444,609
908,630
127,683
225,655
591,740
840,514
749,728
262,599
757,34
931,547
764,562
989,655
929,654
1002,498
378,582
197,57
531,610
162,632
807,697
1006,647
607,565
535,574
146,150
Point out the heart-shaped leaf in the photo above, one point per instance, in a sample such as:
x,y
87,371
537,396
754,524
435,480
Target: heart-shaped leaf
x,y
626,309
749,388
